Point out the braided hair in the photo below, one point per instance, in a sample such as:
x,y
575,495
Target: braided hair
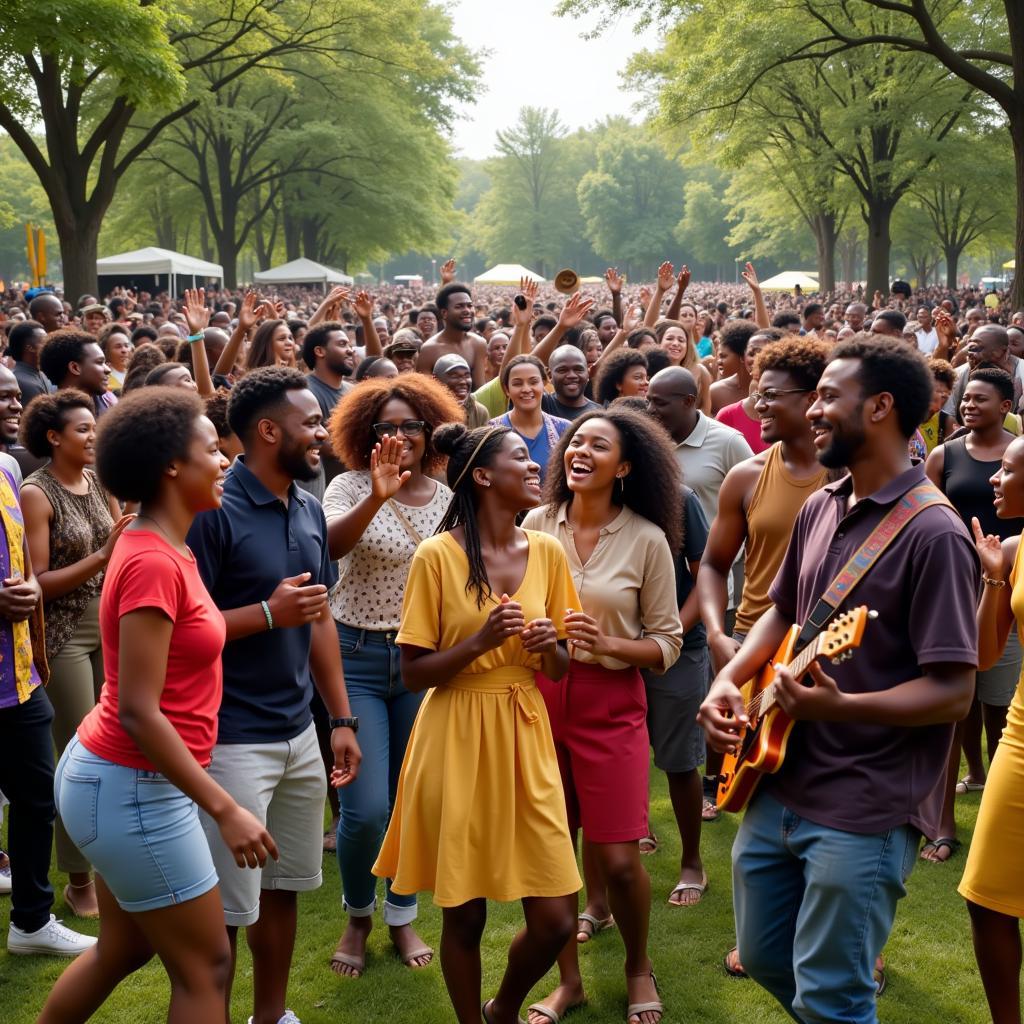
x,y
466,450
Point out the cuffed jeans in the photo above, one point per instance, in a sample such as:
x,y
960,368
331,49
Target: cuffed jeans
x,y
814,907
386,711
26,776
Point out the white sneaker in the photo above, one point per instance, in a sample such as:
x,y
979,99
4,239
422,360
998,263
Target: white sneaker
x,y
288,1018
5,879
53,938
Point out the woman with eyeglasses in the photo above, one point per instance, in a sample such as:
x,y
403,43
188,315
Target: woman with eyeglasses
x,y
377,513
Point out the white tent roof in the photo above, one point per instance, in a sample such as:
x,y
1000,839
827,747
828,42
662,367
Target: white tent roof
x,y
301,271
506,273
152,260
788,280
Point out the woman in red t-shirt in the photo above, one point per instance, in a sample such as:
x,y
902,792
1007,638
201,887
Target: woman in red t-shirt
x,y
129,782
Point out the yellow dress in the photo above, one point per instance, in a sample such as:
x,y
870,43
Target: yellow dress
x,y
995,863
480,811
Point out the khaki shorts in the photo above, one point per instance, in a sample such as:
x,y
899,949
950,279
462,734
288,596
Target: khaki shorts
x,y
284,785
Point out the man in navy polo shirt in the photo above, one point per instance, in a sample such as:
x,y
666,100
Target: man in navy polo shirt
x,y
264,558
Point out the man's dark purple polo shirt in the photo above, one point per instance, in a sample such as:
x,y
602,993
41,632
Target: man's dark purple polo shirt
x,y
869,778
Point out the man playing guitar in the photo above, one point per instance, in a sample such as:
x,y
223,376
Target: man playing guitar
x,y
828,841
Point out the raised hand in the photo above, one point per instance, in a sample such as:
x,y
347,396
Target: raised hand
x,y
945,327
448,271
386,474
614,280
118,528
631,317
645,296
683,278
248,311
666,276
574,311
990,551
529,287
749,274
336,298
197,313
363,304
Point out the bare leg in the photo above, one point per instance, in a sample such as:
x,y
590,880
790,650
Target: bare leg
x,y
549,928
462,929
687,794
272,939
947,822
994,718
972,743
82,988
595,894
997,949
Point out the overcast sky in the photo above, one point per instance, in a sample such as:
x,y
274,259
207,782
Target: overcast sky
x,y
540,60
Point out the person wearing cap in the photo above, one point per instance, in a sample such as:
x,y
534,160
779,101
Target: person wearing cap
x,y
454,373
403,351
95,317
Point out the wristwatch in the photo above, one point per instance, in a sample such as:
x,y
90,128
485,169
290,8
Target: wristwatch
x,y
345,723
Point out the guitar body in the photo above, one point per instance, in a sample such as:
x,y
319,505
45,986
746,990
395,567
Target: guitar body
x,y
762,744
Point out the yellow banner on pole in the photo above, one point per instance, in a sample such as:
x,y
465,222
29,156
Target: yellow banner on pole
x,y
32,256
41,256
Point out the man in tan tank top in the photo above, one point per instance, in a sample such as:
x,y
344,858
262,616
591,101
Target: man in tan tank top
x,y
759,502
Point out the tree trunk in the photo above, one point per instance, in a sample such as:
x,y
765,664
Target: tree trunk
x,y
879,245
292,235
952,255
825,240
1017,135
79,245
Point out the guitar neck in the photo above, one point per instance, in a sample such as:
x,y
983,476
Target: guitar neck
x,y
797,667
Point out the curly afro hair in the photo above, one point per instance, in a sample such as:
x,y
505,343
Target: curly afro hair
x,y
62,348
803,359
653,488
611,371
258,393
351,425
735,335
50,412
943,372
141,436
893,367
217,412
145,358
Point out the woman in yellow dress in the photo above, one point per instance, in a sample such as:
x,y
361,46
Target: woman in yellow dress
x,y
479,813
991,883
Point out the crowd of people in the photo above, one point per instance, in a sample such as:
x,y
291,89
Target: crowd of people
x,y
450,571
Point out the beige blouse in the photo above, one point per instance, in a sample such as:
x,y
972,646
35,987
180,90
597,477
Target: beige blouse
x,y
371,577
628,584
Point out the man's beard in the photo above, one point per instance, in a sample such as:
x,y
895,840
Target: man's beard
x,y
296,465
842,449
457,326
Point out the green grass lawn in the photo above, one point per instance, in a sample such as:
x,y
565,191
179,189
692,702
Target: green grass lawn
x,y
930,964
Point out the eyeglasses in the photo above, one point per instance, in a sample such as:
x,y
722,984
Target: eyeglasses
x,y
410,428
772,394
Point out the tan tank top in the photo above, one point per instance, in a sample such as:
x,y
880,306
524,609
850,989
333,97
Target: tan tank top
x,y
778,497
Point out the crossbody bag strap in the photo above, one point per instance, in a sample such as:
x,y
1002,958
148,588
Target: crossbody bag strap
x,y
414,534
916,500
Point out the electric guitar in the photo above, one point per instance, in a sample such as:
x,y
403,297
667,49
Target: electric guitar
x,y
762,742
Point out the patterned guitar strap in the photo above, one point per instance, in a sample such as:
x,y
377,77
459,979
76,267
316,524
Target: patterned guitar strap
x,y
916,500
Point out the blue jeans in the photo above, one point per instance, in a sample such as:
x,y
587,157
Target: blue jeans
x,y
814,907
386,711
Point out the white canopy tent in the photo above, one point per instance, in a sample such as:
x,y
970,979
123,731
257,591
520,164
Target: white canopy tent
x,y
788,280
158,263
302,271
506,273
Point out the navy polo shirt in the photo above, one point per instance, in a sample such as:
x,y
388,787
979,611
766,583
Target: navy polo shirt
x,y
244,549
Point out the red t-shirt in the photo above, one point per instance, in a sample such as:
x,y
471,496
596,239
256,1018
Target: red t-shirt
x,y
734,416
146,572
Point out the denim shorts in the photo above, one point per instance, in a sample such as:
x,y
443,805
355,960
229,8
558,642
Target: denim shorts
x,y
139,831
